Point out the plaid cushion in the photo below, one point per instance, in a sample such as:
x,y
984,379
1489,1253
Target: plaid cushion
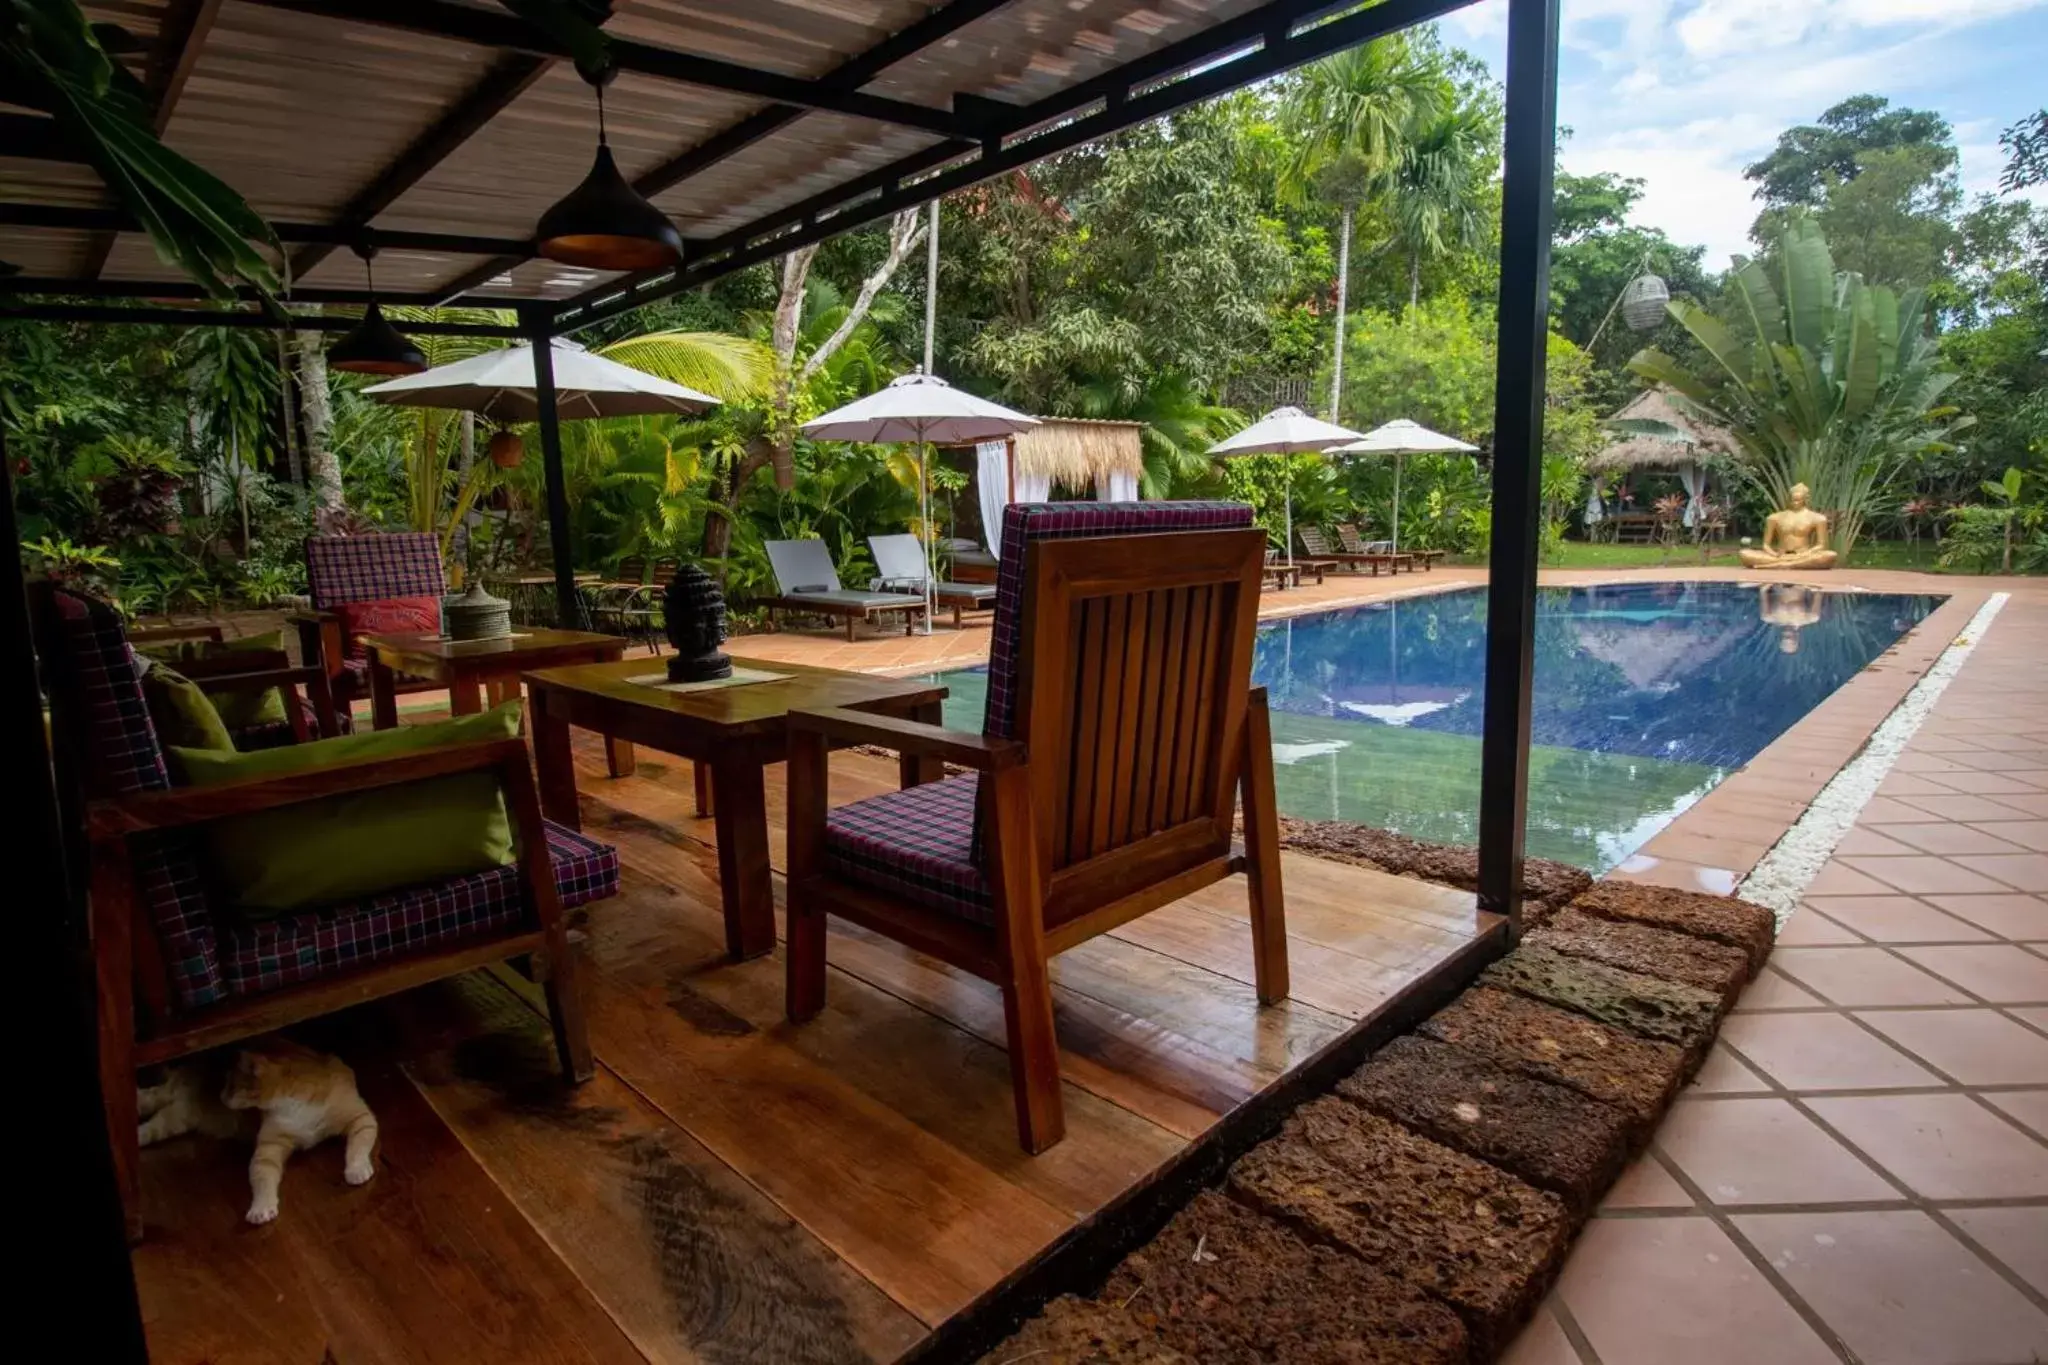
x,y
124,758
367,568
266,954
1024,522
917,844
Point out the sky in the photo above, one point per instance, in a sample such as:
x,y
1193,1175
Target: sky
x,y
1685,93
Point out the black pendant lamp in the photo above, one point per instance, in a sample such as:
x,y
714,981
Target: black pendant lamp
x,y
374,346
604,223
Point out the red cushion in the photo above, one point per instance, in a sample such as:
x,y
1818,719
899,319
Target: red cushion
x,y
386,615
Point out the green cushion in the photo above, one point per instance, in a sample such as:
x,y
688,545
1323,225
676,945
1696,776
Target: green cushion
x,y
238,710
184,716
344,848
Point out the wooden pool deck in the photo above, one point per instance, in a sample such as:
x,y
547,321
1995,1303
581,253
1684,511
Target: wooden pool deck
x,y
733,1188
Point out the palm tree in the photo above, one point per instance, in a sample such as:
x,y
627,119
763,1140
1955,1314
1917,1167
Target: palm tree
x,y
1437,190
1350,115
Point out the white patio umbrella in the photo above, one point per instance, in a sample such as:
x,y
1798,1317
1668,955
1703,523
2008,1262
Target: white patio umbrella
x,y
1403,437
1285,431
499,386
924,410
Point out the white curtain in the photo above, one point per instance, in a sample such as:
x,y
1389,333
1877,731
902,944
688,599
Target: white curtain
x,y
1033,487
992,482
1596,510
1694,477
1116,486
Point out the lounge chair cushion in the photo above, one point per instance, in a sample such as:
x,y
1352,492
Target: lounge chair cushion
x,y
916,844
182,712
261,955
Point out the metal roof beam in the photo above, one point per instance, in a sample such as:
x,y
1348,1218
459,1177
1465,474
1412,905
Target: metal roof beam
x,y
215,317
492,28
1262,43
506,80
331,234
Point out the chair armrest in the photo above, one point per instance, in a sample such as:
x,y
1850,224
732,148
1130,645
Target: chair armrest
x,y
119,816
149,635
981,753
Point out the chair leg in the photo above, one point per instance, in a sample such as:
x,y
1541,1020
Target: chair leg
x,y
113,910
564,989
805,959
807,774
1034,1055
1027,983
1262,854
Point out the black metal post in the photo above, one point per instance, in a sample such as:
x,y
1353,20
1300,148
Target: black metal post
x,y
1524,324
568,609
86,1263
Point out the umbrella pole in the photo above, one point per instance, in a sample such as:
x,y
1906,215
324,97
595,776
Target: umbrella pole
x,y
924,495
1289,516
1395,534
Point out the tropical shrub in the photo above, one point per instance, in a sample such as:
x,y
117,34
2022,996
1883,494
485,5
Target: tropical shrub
x,y
1821,378
2004,534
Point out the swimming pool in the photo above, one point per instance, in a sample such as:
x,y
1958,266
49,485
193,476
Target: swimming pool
x,y
1646,695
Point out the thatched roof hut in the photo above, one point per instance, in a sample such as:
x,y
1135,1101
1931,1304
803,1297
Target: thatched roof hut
x,y
1073,452
1627,453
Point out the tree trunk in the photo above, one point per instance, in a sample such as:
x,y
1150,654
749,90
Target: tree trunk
x,y
323,467
1414,278
1343,298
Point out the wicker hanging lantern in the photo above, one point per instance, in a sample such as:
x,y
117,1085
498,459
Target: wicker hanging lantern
x,y
1642,303
506,449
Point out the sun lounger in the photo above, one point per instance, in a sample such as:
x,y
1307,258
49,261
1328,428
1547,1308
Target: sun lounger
x,y
900,567
1313,541
806,581
1354,543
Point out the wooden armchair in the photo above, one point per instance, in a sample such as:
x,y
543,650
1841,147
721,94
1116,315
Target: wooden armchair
x,y
175,973
1121,730
347,571
308,712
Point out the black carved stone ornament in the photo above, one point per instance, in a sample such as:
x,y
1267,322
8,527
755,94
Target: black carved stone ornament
x,y
694,608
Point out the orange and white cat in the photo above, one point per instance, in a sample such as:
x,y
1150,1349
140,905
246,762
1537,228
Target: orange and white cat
x,y
293,1098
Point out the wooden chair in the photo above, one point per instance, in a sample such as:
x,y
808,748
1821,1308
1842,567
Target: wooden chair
x,y
1355,543
175,973
1121,731
307,713
1279,573
345,570
1316,543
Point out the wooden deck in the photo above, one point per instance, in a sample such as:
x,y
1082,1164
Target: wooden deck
x,y
729,1187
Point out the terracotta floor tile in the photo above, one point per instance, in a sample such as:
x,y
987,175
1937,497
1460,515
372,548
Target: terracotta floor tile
x,y
1945,837
1763,1151
1711,1305
2018,1237
1542,1342
1998,972
1646,1185
1898,1289
1854,977
1976,1047
1896,919
1839,879
1941,1146
2037,1016
1917,762
2017,760
1864,840
1775,991
2027,803
1919,874
1972,783
1956,806
1808,928
2028,834
1886,810
1905,784
2029,1107
1823,1052
1724,1073
2009,914
2020,871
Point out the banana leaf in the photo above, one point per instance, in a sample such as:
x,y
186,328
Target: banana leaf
x,y
1809,284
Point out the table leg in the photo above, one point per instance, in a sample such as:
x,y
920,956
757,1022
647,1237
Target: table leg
x,y
700,774
741,812
498,691
618,756
556,764
914,769
383,695
465,697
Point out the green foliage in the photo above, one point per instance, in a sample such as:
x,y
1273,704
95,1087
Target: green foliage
x,y
2026,143
1822,379
1810,158
2006,533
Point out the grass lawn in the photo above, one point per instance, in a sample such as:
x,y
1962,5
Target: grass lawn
x,y
1868,554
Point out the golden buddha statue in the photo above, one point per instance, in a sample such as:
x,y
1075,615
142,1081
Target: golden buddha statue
x,y
1795,537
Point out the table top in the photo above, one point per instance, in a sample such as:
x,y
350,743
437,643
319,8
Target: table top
x,y
747,707
526,647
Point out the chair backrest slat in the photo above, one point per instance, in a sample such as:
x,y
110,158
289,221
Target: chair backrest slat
x,y
1133,667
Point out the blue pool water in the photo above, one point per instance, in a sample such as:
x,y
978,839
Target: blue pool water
x,y
1646,695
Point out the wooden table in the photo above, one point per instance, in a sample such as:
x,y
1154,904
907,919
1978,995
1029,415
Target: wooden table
x,y
468,668
731,734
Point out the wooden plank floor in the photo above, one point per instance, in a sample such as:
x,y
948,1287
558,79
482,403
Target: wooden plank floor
x,y
731,1187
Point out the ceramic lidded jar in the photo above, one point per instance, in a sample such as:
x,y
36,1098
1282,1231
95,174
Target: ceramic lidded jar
x,y
476,615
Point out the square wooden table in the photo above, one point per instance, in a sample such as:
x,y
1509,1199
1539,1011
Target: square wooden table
x,y
468,668
731,733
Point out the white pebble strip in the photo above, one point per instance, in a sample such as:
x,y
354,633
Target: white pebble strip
x,y
1795,860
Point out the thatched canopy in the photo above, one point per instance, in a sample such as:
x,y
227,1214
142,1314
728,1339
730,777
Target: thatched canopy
x,y
1627,453
1072,452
